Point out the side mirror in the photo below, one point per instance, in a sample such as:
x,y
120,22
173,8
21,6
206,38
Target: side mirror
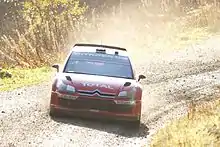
x,y
141,77
56,66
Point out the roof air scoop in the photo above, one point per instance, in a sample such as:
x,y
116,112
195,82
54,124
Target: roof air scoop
x,y
127,84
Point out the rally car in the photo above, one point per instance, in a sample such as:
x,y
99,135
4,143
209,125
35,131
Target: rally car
x,y
97,81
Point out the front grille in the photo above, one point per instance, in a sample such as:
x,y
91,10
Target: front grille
x,y
95,92
102,105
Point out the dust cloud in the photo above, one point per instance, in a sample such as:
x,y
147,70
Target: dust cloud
x,y
130,25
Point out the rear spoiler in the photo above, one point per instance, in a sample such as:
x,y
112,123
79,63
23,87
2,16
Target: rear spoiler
x,y
98,45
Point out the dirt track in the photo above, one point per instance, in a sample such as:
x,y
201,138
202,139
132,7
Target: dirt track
x,y
172,81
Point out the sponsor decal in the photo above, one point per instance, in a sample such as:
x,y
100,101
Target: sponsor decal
x,y
99,55
97,85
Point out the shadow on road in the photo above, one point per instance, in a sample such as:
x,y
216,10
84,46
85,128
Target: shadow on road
x,y
119,128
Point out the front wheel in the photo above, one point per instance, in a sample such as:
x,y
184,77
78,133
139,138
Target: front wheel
x,y
53,112
134,125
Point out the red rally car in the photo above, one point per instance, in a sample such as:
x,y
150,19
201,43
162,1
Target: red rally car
x,y
97,81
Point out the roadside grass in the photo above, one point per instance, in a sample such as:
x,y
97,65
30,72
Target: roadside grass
x,y
142,26
25,77
189,36
201,127
141,31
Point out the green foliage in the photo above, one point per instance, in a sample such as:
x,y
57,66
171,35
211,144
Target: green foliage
x,y
24,77
41,31
199,128
42,11
44,35
5,74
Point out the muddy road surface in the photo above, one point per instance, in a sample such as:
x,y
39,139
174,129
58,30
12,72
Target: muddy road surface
x,y
173,80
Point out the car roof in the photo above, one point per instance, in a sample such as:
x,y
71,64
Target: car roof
x,y
93,48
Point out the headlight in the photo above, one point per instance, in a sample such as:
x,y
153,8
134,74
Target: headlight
x,y
61,86
123,94
128,94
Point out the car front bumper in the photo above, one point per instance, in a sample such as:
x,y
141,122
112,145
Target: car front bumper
x,y
94,108
94,114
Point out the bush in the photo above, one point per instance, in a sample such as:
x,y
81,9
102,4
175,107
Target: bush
x,y
43,37
39,32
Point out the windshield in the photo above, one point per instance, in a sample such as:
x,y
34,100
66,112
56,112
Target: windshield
x,y
99,64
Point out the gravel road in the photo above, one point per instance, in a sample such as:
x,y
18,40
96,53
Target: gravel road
x,y
172,81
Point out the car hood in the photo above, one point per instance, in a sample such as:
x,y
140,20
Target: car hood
x,y
103,84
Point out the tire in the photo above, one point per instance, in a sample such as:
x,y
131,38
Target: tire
x,y
134,125
52,112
